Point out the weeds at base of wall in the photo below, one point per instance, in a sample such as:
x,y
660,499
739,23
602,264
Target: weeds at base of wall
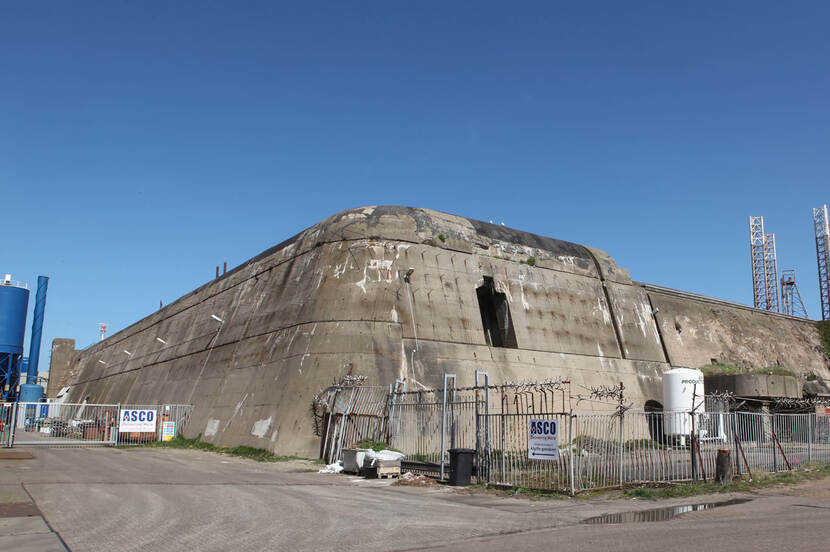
x,y
257,454
376,446
520,491
806,472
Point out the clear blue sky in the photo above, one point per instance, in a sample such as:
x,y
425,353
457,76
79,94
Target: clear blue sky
x,y
143,143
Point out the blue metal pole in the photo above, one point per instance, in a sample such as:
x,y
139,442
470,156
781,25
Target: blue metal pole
x,y
37,329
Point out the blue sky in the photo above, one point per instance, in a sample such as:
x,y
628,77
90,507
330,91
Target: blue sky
x,y
142,144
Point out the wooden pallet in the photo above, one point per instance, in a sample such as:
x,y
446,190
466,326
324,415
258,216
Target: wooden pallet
x,y
387,472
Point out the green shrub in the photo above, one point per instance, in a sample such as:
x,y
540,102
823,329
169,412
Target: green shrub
x,y
531,261
376,446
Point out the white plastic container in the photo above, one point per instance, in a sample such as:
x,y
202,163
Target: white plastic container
x,y
682,392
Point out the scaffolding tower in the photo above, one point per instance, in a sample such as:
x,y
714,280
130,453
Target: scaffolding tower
x,y
823,258
791,302
764,266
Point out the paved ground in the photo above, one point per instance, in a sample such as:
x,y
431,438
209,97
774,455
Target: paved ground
x,y
154,499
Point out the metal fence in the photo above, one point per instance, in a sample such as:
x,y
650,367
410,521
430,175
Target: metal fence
x,y
595,450
351,414
89,425
428,424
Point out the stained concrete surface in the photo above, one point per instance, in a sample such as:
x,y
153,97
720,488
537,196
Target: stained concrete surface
x,y
154,499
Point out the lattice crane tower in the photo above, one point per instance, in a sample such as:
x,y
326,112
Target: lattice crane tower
x,y
771,272
823,258
756,249
791,302
764,266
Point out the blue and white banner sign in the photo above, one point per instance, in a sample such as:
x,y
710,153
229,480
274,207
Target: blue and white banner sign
x,y
137,421
543,440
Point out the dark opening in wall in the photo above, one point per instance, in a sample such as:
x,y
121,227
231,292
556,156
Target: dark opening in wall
x,y
495,316
654,415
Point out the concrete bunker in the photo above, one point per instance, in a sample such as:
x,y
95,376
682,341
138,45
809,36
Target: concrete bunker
x,y
324,303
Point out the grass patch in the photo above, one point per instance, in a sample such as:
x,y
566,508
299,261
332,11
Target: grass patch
x,y
531,261
376,446
760,480
773,371
257,454
442,237
505,490
720,369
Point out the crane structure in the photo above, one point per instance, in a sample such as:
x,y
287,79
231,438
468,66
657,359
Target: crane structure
x,y
820,223
764,265
791,302
771,271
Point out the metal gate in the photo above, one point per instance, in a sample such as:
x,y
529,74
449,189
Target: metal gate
x,y
353,414
88,425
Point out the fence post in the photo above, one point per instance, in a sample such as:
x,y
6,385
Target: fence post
x,y
443,425
444,420
118,423
734,415
487,423
809,437
571,446
503,466
483,451
14,424
772,444
621,409
478,434
389,415
620,461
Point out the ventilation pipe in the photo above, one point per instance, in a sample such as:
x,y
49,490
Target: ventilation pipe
x,y
30,391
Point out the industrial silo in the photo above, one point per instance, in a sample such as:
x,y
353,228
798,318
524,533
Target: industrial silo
x,y
14,302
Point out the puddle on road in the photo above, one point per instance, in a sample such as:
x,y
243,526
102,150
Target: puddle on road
x,y
658,514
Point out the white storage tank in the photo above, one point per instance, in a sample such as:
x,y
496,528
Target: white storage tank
x,y
680,387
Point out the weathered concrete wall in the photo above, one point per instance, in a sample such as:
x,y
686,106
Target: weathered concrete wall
x,y
63,355
697,331
754,385
333,300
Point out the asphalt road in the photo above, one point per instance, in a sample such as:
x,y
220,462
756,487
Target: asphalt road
x,y
165,499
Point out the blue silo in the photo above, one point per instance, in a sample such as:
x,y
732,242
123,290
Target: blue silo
x,y
14,302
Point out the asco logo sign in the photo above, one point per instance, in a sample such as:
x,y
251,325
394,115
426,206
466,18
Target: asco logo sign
x,y
137,421
543,427
543,440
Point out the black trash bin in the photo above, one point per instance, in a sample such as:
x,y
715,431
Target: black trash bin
x,y
461,466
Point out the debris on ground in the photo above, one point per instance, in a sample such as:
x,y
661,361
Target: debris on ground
x,y
384,455
337,467
410,479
